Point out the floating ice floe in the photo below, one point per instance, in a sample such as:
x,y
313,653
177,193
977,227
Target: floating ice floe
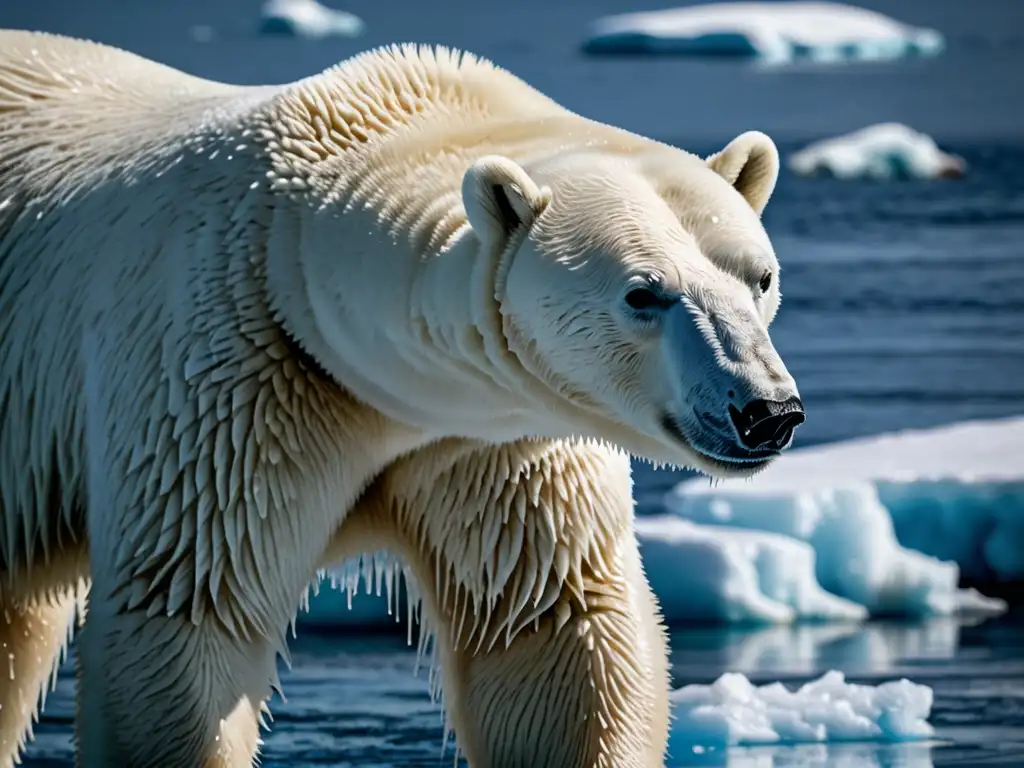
x,y
714,573
954,491
308,18
883,152
773,32
732,711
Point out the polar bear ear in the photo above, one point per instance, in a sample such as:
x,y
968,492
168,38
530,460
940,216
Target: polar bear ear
x,y
500,198
750,162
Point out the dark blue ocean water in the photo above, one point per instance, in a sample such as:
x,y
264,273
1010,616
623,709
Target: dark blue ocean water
x,y
903,306
354,701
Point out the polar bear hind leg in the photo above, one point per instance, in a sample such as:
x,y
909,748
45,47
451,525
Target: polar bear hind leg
x,y
551,647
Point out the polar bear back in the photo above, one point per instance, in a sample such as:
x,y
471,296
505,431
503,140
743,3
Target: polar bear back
x,y
71,110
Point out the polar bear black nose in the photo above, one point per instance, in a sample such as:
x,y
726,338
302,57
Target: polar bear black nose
x,y
767,423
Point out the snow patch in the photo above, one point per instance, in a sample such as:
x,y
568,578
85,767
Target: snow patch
x,y
883,152
772,32
308,18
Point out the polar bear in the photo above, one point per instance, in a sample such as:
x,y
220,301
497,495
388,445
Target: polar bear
x,y
225,310
524,560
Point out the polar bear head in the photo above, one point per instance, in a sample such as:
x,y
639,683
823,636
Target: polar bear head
x,y
638,283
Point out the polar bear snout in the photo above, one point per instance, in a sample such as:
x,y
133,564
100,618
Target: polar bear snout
x,y
735,401
767,424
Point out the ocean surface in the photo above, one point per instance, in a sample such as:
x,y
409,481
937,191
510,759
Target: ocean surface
x,y
903,307
355,702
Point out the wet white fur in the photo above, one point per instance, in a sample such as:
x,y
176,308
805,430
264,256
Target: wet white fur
x,y
224,310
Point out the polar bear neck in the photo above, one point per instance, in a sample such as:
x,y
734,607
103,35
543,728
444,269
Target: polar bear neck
x,y
392,276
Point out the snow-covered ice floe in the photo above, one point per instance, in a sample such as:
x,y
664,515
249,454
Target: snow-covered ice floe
x,y
308,18
732,711
714,573
877,512
883,152
773,32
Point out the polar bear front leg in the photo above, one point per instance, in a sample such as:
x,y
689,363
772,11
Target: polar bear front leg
x,y
159,691
34,635
186,612
549,638
198,557
587,693
217,467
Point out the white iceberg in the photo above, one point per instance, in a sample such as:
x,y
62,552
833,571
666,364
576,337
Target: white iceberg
x,y
831,497
308,18
884,151
732,711
715,573
773,32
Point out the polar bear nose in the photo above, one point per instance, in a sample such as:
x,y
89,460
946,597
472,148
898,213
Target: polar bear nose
x,y
767,423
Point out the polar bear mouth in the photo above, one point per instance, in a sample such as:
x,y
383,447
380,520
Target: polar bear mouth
x,y
712,447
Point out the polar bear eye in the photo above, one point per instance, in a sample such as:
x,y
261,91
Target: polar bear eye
x,y
646,300
765,282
